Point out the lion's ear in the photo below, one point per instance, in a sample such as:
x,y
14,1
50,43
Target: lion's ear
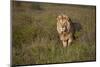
x,y
68,18
58,18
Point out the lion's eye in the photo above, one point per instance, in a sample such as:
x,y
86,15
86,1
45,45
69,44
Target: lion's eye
x,y
65,24
64,17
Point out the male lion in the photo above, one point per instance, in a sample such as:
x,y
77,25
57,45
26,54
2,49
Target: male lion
x,y
65,29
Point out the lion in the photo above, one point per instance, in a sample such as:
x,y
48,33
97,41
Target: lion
x,y
65,29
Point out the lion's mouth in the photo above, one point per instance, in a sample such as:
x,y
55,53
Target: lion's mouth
x,y
62,29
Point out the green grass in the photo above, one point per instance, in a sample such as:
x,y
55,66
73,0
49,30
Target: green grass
x,y
35,38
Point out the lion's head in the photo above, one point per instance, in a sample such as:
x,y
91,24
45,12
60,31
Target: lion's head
x,y
63,22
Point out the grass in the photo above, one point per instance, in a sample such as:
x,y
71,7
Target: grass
x,y
35,38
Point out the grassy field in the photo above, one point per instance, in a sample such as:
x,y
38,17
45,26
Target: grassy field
x,y
35,38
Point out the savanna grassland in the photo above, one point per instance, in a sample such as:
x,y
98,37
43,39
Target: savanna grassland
x,y
35,39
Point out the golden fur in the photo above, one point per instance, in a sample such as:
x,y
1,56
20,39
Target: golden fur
x,y
65,29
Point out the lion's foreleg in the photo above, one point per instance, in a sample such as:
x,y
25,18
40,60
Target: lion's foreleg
x,y
70,41
64,43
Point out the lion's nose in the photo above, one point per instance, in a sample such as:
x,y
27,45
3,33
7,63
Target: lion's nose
x,y
63,29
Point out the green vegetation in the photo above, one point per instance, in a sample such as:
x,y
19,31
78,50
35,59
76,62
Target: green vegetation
x,y
35,39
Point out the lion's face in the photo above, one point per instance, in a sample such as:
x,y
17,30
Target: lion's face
x,y
62,20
